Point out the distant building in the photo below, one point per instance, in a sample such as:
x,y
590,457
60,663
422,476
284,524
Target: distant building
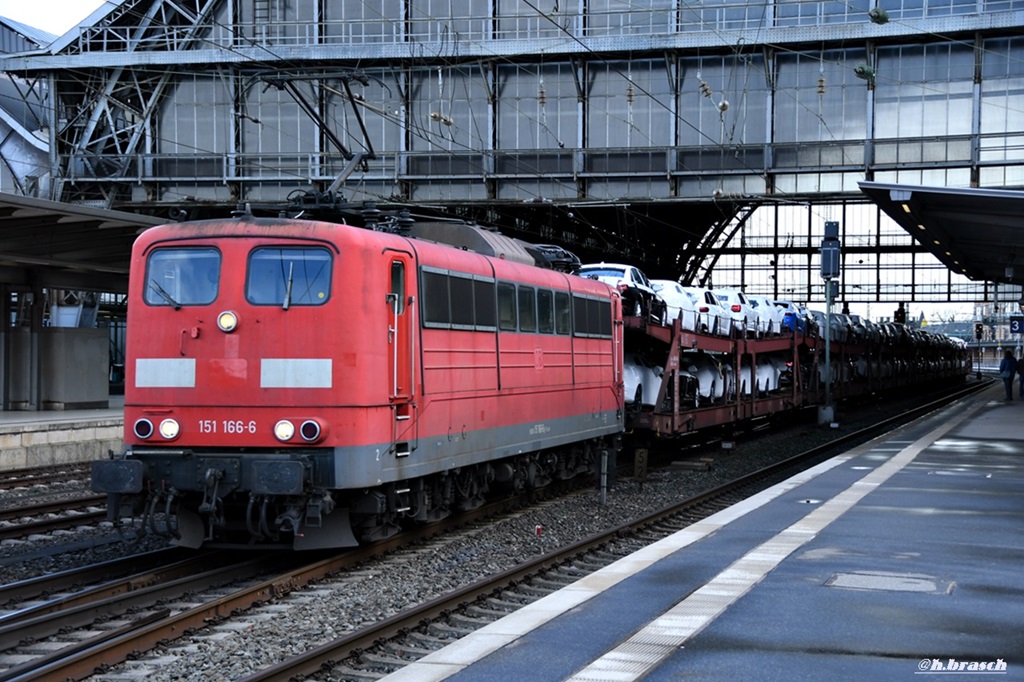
x,y
24,136
18,37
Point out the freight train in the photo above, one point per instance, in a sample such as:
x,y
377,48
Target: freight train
x,y
305,384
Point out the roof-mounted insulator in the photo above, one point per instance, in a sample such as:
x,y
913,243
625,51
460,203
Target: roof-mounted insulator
x,y
371,215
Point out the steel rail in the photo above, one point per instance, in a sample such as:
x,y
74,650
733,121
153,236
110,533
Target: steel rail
x,y
15,478
145,586
20,530
64,581
186,577
52,507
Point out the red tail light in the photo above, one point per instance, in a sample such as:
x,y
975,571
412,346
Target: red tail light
x,y
704,309
736,308
311,431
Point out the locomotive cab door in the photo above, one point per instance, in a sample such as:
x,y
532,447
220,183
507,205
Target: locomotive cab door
x,y
402,353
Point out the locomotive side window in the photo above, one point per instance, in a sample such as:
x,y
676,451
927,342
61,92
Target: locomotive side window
x,y
463,312
604,316
287,276
507,307
600,312
545,312
527,309
458,300
579,315
455,300
182,276
398,284
592,317
563,313
436,308
483,303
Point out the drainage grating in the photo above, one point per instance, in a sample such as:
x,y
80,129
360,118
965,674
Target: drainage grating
x,y
890,582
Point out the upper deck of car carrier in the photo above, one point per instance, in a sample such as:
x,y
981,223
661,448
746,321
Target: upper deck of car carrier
x,y
858,367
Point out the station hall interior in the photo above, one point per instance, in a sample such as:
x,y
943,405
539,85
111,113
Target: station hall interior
x,y
707,145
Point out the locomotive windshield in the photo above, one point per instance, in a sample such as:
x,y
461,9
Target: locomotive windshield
x,y
178,277
288,276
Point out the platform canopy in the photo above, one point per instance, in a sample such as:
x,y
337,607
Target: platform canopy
x,y
976,232
53,245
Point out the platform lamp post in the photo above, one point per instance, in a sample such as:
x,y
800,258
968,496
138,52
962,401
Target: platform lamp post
x,y
830,251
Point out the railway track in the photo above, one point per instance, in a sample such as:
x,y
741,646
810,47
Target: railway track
x,y
44,476
207,587
126,614
157,616
13,595
44,499
19,522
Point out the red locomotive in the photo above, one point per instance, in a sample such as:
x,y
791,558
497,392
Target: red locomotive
x,y
311,385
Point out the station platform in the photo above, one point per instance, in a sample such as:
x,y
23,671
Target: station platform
x,y
47,437
901,559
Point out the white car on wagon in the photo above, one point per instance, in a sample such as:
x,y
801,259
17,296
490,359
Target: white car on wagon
x,y
683,305
638,297
710,311
770,317
744,316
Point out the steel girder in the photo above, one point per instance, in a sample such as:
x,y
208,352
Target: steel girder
x,y
107,114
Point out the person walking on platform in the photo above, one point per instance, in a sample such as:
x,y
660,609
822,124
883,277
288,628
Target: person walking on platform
x,y
1007,371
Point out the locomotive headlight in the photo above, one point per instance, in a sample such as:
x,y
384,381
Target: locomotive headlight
x,y
227,321
284,430
169,429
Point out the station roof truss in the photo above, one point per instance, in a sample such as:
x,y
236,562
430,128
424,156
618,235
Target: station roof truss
x,y
662,237
48,244
114,73
975,232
